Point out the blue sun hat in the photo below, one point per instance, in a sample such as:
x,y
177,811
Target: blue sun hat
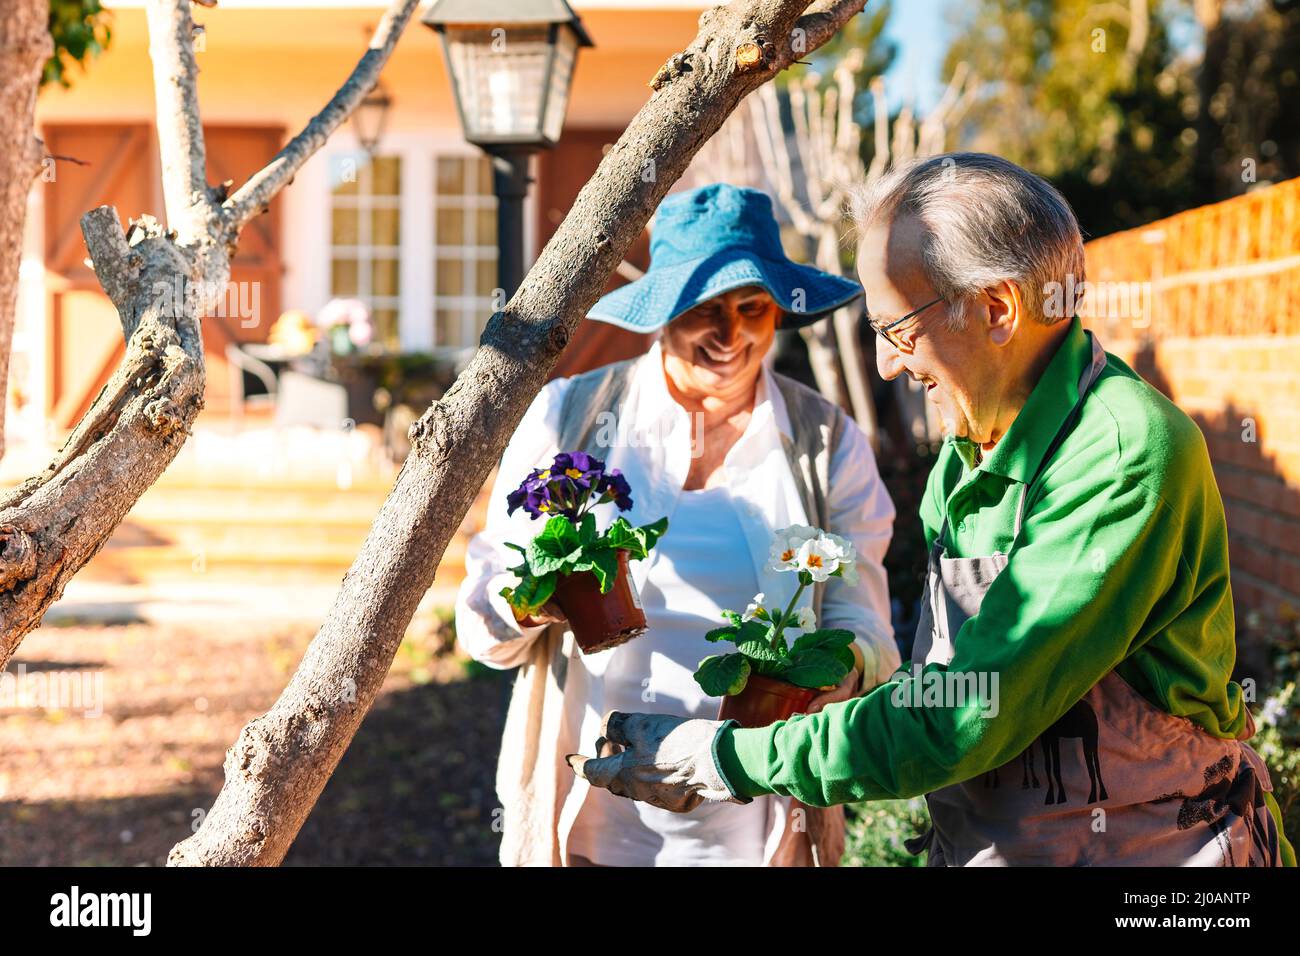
x,y
711,240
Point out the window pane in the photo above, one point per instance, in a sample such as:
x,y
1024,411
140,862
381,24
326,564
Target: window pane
x,y
480,319
346,227
450,176
447,327
343,277
478,176
385,227
385,321
486,270
450,277
365,236
383,277
487,228
450,227
386,176
344,175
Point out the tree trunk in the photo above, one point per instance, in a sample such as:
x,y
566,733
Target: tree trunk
x,y
54,523
282,760
25,45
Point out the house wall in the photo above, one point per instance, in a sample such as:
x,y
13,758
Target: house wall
x,y
1219,333
277,66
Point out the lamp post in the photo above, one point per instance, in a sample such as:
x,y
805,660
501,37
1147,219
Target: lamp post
x,y
511,64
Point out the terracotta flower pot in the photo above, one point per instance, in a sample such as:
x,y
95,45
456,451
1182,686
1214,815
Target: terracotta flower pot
x,y
764,701
601,621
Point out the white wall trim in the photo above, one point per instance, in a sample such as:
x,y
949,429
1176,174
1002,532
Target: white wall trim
x,y
306,234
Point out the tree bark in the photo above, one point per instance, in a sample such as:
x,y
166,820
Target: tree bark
x,y
25,45
160,279
277,768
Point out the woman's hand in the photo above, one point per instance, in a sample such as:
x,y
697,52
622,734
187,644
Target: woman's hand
x,y
846,689
549,613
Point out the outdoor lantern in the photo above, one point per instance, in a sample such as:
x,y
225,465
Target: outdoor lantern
x,y
511,65
370,118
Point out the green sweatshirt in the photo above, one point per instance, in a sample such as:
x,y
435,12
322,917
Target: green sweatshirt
x,y
1122,564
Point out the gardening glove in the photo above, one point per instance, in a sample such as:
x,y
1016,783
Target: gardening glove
x,y
660,759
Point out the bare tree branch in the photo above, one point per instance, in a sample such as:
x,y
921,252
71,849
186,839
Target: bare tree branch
x,y
190,209
282,760
255,195
160,281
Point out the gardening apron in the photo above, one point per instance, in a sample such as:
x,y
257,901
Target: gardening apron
x,y
1120,781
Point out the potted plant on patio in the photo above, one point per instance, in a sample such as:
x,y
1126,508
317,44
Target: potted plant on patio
x,y
766,679
585,572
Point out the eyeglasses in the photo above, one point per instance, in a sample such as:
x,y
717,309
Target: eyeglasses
x,y
887,331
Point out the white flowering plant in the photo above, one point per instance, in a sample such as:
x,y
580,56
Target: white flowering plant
x,y
819,657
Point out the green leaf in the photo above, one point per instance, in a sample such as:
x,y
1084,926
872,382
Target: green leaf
x,y
623,535
531,592
723,675
587,530
654,531
636,541
727,633
755,641
556,547
604,565
815,668
827,640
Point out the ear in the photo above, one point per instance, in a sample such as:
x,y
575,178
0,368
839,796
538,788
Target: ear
x,y
1005,310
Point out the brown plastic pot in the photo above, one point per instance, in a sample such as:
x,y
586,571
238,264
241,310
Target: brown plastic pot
x,y
764,701
601,621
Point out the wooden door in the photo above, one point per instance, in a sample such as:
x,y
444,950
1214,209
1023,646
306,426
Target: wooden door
x,y
99,164
116,164
252,301
562,172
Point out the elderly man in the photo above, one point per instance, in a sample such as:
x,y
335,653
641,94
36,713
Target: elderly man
x,y
1078,578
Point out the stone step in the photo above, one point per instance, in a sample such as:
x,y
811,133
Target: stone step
x,y
156,564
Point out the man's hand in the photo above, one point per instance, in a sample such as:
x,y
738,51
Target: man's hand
x,y
659,759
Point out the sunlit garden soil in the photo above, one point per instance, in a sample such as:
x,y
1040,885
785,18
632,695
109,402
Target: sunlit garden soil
x,y
123,787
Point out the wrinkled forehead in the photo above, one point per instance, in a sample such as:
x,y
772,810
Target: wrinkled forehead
x,y
889,262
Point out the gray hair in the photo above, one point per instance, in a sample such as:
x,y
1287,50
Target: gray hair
x,y
986,221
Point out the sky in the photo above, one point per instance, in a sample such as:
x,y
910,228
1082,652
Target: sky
x,y
921,30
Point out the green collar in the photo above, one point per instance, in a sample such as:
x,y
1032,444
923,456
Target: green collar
x,y
1019,452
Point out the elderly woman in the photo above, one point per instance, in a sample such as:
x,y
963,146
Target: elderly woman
x,y
707,434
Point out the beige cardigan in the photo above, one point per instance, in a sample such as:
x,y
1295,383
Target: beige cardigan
x,y
533,781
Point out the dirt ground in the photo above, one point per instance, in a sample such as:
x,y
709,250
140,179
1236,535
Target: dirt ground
x,y
130,756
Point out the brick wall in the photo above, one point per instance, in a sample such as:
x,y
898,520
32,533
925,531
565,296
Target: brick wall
x,y
1217,328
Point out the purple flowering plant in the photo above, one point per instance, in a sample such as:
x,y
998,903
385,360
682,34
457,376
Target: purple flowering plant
x,y
565,494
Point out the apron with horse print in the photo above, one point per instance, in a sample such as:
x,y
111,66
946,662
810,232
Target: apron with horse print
x,y
1115,781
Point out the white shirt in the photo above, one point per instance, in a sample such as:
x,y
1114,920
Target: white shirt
x,y
653,449
690,582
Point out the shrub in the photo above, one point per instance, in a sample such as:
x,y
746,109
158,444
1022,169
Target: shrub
x,y
876,831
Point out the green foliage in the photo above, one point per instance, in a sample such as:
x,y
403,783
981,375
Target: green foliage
x,y
722,675
876,831
1133,136
80,30
1062,97
1277,720
562,548
819,658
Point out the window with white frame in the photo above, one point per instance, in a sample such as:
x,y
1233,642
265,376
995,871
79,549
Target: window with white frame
x,y
464,248
365,237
